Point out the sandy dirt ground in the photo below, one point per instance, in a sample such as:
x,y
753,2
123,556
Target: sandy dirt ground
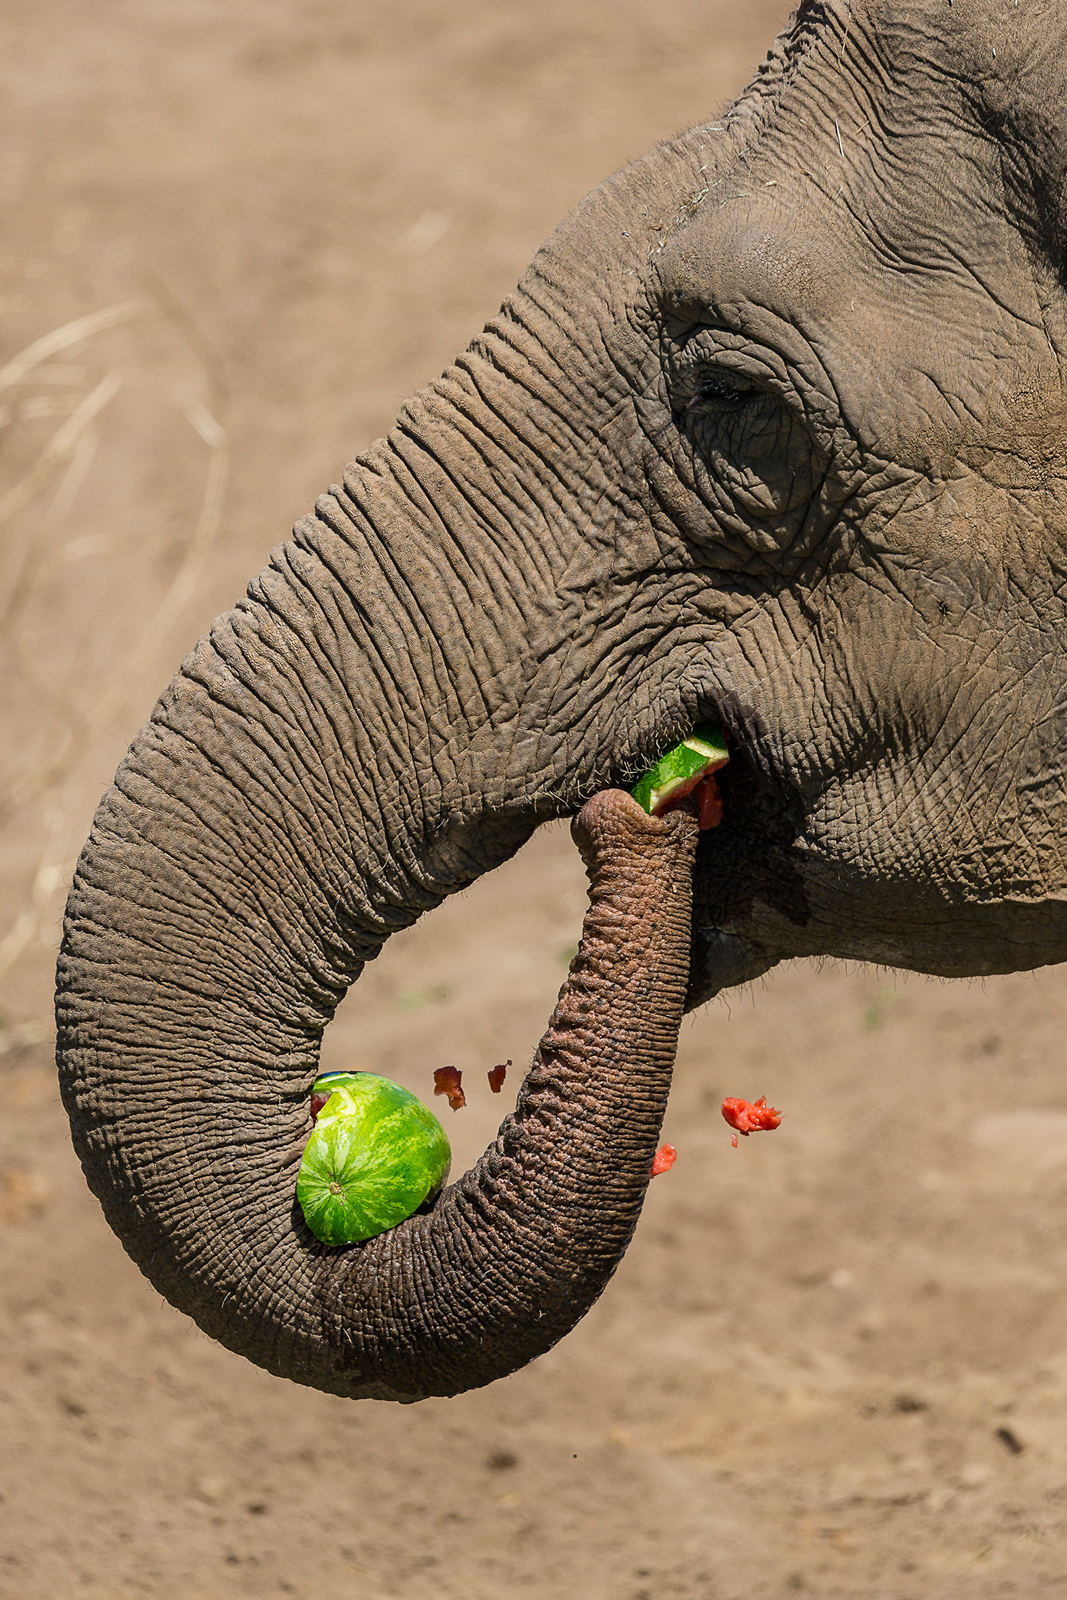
x,y
835,1360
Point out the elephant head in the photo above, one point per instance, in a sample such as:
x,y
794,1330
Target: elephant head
x,y
772,433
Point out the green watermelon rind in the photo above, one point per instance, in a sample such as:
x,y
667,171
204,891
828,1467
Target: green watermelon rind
x,y
381,1145
704,750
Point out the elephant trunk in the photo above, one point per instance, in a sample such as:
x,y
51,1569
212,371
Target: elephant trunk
x,y
195,1167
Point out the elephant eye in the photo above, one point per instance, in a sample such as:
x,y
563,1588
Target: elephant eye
x,y
719,390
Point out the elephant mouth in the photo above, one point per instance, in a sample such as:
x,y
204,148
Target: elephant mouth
x,y
745,875
766,891
744,860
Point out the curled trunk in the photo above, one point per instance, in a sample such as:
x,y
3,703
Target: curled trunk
x,y
512,1255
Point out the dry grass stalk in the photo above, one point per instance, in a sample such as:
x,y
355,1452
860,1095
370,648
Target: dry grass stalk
x,y
74,444
64,338
59,447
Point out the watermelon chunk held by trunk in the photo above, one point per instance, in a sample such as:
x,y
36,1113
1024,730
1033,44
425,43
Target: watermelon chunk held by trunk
x,y
375,1155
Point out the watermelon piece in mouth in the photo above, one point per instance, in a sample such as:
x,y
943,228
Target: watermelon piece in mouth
x,y
688,769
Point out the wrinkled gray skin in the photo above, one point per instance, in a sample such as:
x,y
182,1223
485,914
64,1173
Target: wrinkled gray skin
x,y
773,430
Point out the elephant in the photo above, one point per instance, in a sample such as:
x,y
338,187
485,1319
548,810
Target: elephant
x,y
771,434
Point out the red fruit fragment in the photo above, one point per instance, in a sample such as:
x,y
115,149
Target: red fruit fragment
x,y
317,1103
496,1076
448,1081
664,1159
748,1118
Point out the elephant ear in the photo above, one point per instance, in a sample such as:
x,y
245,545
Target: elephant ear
x,y
509,1257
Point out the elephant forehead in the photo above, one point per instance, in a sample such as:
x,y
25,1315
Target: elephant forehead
x,y
996,53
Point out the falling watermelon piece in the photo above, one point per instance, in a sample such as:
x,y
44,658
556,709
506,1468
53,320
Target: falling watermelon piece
x,y
747,1117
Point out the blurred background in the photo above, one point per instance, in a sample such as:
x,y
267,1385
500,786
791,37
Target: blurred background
x,y
834,1362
